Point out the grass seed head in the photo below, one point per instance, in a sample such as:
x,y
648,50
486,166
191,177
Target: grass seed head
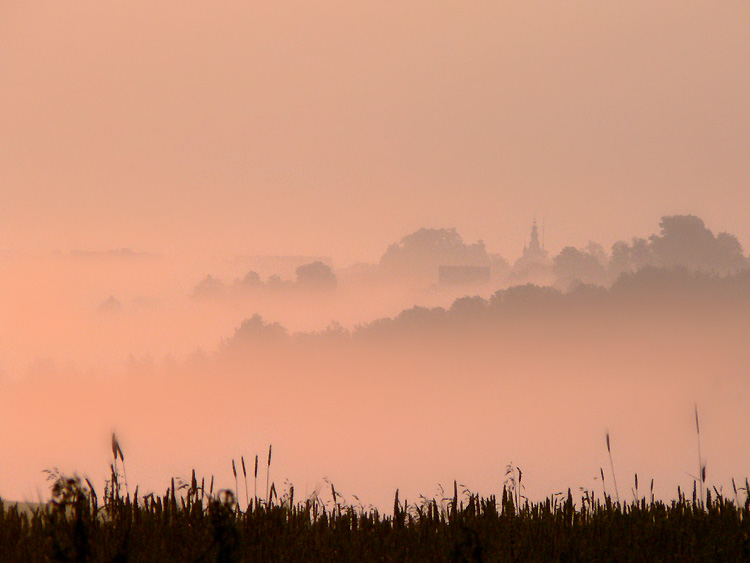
x,y
697,425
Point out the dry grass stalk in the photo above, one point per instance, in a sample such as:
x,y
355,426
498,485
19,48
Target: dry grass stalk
x,y
612,466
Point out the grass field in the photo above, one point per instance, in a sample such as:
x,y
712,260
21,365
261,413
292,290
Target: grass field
x,y
190,522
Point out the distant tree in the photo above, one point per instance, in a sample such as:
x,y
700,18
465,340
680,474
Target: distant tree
x,y
577,265
620,261
730,249
468,307
317,275
275,282
660,283
209,288
420,316
686,241
641,254
500,267
527,296
254,330
597,251
422,252
251,280
335,331
629,257
110,304
586,294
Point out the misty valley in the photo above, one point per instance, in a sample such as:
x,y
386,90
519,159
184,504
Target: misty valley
x,y
374,282
441,367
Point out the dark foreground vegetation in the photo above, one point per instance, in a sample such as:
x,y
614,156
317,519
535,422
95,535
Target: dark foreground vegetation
x,y
190,523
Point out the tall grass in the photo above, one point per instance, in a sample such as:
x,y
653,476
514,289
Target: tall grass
x,y
189,524
612,466
701,465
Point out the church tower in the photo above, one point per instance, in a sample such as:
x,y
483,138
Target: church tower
x,y
535,251
534,245
533,266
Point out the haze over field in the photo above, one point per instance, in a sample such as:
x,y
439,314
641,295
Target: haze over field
x,y
405,243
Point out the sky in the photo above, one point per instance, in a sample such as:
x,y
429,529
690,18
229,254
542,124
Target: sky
x,y
335,128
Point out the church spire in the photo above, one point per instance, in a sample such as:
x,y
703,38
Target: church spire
x,y
534,245
535,251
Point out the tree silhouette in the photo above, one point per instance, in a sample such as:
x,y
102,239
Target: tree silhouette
x,y
686,241
317,275
420,253
209,288
573,265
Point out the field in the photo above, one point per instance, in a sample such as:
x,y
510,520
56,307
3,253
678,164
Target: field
x,y
191,522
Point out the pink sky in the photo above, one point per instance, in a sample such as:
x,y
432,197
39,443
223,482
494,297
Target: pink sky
x,y
337,127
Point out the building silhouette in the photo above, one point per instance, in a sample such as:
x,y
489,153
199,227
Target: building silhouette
x,y
534,264
534,251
